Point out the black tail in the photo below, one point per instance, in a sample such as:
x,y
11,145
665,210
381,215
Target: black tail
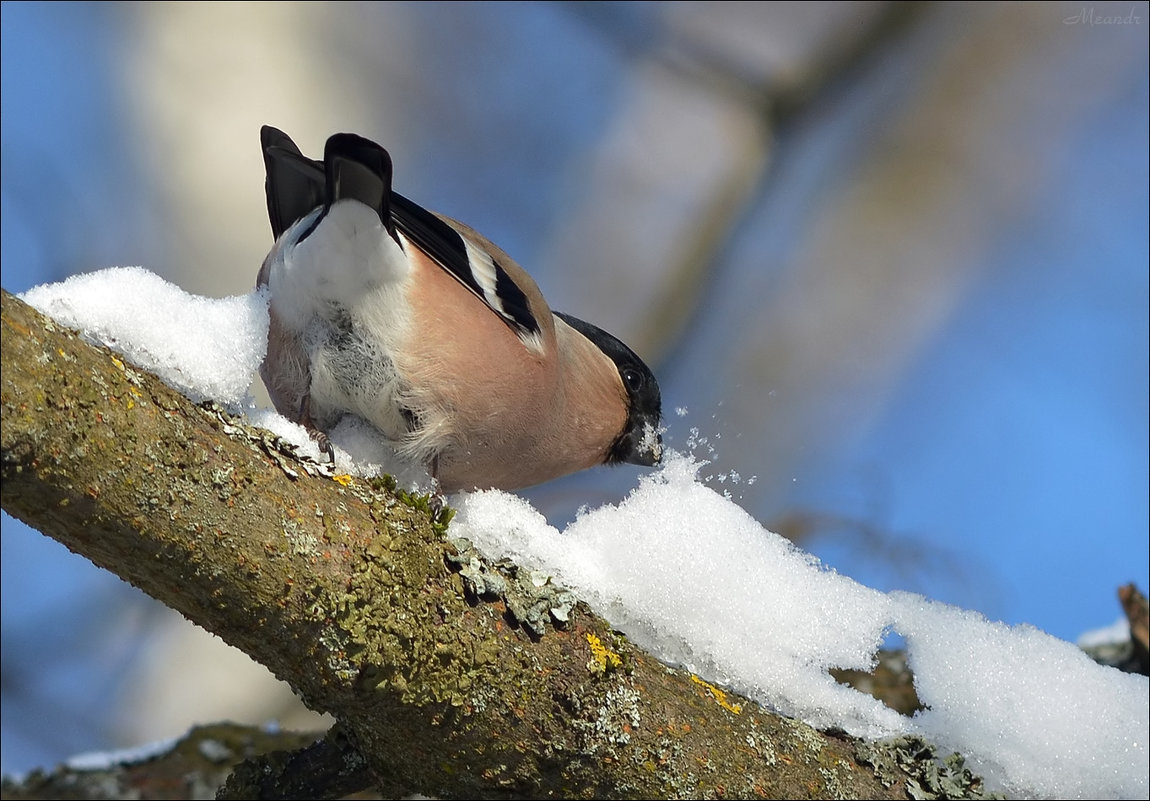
x,y
358,169
294,183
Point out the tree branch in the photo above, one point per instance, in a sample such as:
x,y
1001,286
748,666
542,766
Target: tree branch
x,y
348,592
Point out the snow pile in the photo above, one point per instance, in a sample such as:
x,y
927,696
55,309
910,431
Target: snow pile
x,y
202,347
693,578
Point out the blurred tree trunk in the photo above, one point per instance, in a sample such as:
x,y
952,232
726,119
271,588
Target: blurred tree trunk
x,y
352,594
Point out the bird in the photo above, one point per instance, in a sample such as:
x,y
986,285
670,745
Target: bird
x,y
428,331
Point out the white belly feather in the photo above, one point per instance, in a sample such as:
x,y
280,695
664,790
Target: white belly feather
x,y
341,292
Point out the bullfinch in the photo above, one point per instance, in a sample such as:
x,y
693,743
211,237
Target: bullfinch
x,y
422,327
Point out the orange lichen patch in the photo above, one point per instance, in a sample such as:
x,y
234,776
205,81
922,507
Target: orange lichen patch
x,y
719,695
602,658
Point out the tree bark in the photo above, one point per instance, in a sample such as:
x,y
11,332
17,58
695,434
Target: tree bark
x,y
352,594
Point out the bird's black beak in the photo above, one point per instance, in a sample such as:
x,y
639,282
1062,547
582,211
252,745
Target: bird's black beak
x,y
642,445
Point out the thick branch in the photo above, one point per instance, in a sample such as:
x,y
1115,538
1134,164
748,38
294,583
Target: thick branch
x,y
348,593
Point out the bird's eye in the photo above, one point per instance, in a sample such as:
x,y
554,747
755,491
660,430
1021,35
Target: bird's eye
x,y
632,378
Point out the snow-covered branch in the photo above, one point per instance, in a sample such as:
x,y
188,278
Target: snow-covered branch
x,y
351,593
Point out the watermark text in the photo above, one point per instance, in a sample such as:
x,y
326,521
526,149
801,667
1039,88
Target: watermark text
x,y
1091,17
